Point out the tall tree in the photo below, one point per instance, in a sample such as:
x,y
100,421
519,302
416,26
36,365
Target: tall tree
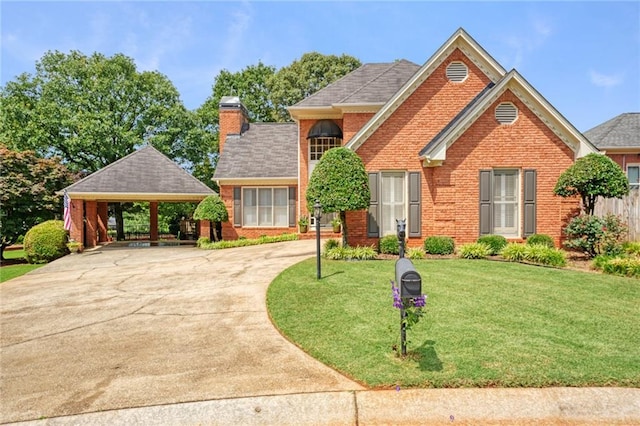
x,y
339,181
93,110
312,72
590,177
28,186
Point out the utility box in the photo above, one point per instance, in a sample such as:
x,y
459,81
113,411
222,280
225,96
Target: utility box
x,y
408,279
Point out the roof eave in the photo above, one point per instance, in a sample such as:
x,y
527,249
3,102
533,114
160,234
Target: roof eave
x,y
143,196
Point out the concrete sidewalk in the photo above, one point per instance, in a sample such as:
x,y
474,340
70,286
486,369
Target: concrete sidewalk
x,y
552,406
178,335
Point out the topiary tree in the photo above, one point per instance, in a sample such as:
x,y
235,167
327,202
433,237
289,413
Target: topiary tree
x,y
590,177
46,242
340,182
212,209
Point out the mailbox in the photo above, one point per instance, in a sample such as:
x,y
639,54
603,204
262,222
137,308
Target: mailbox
x,y
408,279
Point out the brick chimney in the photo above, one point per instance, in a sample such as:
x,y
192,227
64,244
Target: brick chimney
x,y
234,118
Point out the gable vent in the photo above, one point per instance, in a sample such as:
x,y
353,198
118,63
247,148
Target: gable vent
x,y
506,113
457,72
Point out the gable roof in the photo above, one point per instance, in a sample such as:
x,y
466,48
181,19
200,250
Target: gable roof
x,y
459,40
435,150
368,85
622,131
265,151
146,174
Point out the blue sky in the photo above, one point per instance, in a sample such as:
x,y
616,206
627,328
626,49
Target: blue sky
x,y
584,57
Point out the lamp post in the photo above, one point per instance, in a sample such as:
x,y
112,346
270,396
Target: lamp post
x,y
317,214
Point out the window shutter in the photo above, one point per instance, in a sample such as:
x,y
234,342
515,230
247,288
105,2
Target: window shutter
x,y
486,206
415,229
529,202
237,206
373,229
292,206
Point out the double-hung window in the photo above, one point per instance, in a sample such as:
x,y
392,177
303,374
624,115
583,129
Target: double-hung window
x,y
265,207
633,173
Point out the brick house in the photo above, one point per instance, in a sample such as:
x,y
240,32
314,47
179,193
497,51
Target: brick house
x,y
457,146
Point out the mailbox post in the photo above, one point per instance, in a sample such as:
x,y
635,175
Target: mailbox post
x,y
317,214
409,282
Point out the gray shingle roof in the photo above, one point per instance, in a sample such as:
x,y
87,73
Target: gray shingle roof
x,y
144,171
266,150
370,83
619,132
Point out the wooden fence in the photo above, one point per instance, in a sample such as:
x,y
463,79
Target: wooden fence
x,y
627,208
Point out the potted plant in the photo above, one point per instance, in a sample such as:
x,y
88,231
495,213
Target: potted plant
x,y
303,223
335,222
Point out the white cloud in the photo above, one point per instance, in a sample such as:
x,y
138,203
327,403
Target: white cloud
x,y
604,80
534,35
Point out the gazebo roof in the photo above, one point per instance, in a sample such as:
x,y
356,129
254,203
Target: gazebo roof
x,y
144,175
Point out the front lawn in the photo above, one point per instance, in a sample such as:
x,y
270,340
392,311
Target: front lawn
x,y
487,324
11,271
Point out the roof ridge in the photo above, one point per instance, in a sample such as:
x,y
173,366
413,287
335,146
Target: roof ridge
x,y
390,66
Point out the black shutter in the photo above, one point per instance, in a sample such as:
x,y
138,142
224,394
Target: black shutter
x,y
292,206
415,229
373,229
486,205
529,202
237,206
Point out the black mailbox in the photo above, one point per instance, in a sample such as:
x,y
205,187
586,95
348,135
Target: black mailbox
x,y
408,279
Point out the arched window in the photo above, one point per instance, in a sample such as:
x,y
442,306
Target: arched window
x,y
323,136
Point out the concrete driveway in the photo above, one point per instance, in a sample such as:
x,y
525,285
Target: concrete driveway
x,y
130,327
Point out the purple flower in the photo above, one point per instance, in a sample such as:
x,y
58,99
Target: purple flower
x,y
420,301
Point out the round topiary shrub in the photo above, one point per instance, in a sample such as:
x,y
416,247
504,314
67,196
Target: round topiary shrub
x,y
543,239
495,242
389,245
439,245
46,242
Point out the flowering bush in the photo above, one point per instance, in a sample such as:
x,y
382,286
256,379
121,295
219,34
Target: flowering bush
x,y
596,235
412,306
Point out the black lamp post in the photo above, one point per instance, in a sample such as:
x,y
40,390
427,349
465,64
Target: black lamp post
x,y
317,214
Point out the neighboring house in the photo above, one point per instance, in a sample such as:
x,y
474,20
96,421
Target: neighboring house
x,y
458,146
619,138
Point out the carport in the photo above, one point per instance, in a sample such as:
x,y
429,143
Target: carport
x,y
145,175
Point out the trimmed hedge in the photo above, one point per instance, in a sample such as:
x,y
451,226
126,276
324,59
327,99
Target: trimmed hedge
x,y
439,245
543,239
389,245
206,244
495,243
46,242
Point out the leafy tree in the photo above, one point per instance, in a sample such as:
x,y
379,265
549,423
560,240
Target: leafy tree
x,y
93,110
590,177
28,186
312,72
339,181
212,209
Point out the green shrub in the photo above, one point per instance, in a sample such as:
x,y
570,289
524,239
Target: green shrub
x,y
389,245
543,239
203,241
595,235
20,239
494,242
513,252
439,245
599,261
632,248
46,242
244,242
544,255
474,251
625,266
331,243
415,253
351,253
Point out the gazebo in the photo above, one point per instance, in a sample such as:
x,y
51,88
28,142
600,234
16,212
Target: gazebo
x,y
144,175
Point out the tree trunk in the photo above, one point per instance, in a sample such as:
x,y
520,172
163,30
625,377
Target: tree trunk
x,y
213,235
119,222
2,246
343,219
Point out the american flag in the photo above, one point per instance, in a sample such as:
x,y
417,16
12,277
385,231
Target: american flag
x,y
67,211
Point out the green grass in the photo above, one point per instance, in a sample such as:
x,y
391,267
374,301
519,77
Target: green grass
x,y
13,271
487,324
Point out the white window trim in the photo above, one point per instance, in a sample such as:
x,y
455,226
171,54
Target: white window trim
x,y
405,193
519,203
257,188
